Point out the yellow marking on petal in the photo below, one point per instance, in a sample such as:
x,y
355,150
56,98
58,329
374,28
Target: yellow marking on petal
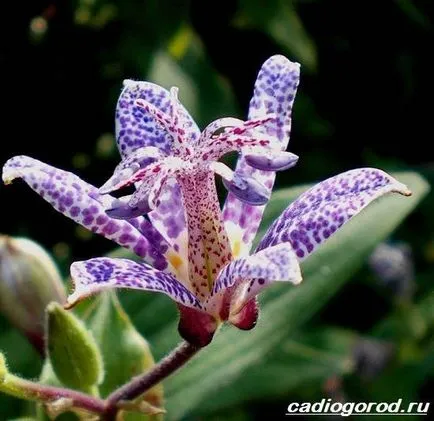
x,y
175,260
178,267
235,234
236,248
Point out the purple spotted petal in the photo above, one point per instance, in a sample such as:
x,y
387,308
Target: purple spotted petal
x,y
169,219
81,202
101,273
255,272
136,128
274,93
321,211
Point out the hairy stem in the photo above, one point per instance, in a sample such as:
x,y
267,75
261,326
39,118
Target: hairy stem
x,y
108,408
141,384
25,389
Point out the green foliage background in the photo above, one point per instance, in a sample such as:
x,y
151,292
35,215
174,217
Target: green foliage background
x,y
363,101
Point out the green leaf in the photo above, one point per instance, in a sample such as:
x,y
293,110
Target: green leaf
x,y
310,357
279,19
285,308
72,350
125,352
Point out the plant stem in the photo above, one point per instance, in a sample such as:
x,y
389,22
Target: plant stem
x,y
25,389
108,408
141,384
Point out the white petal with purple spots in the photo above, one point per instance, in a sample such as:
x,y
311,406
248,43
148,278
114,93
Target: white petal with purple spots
x,y
249,275
97,274
136,128
81,202
274,93
321,211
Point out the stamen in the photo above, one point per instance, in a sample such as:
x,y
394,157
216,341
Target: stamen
x,y
118,179
172,123
271,161
247,189
219,126
139,159
120,209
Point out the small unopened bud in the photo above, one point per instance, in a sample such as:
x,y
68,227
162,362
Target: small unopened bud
x,y
73,352
29,280
371,357
392,263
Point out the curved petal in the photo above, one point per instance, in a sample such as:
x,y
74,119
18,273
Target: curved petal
x,y
248,276
274,93
136,128
81,202
321,211
169,219
247,317
277,263
97,274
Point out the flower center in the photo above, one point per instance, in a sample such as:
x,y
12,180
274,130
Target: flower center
x,y
192,163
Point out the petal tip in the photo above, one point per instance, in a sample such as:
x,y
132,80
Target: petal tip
x,y
72,300
297,280
10,172
405,191
129,82
69,305
400,188
283,59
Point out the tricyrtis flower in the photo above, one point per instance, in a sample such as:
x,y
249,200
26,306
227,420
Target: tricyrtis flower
x,y
200,253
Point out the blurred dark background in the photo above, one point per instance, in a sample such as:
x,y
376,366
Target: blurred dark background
x,y
365,98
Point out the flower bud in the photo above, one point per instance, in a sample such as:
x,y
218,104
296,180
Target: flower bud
x,y
29,280
371,357
125,352
73,352
393,265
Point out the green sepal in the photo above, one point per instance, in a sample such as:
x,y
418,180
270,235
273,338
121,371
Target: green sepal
x,y
72,350
125,352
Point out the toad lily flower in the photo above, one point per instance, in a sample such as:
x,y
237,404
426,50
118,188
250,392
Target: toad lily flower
x,y
194,251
